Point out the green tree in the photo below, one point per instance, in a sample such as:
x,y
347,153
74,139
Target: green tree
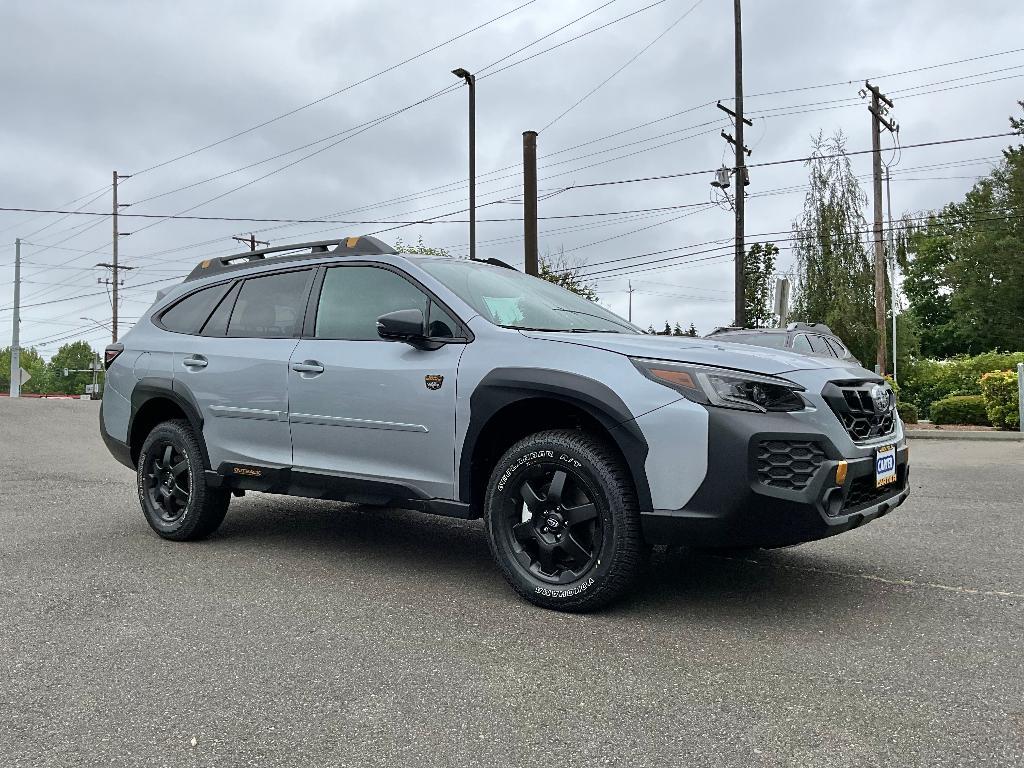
x,y
420,249
759,269
74,356
677,330
31,361
691,331
834,278
964,265
558,269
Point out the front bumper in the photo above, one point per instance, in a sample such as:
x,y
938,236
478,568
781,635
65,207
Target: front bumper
x,y
741,503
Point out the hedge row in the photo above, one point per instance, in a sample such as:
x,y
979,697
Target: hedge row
x,y
960,409
1002,399
924,382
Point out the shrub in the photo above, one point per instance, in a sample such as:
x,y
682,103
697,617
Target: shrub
x,y
1002,398
960,409
908,412
925,381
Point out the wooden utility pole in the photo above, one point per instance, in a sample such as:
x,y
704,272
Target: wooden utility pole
x,y
113,268
877,122
531,266
114,265
891,243
251,241
630,291
741,175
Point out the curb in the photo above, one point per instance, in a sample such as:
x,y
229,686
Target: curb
x,y
962,434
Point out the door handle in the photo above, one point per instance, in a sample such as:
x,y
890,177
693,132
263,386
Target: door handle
x,y
308,366
195,361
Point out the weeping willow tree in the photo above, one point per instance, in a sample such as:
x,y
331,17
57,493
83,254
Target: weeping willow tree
x,y
834,277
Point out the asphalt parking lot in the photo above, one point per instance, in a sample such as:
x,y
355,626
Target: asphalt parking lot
x,y
317,633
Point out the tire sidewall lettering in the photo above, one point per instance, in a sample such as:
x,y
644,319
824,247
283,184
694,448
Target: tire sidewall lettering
x,y
522,461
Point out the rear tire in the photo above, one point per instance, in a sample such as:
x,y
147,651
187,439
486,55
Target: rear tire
x,y
563,521
175,499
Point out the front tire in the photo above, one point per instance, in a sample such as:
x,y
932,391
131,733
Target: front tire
x,y
175,499
563,521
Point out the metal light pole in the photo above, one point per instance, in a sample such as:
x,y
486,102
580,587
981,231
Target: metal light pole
x,y
15,390
471,82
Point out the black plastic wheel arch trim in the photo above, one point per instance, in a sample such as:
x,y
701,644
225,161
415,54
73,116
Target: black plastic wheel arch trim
x,y
505,386
158,387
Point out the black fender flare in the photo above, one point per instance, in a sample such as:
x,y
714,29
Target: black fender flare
x,y
154,387
505,386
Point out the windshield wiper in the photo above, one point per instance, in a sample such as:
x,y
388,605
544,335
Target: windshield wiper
x,y
596,317
557,330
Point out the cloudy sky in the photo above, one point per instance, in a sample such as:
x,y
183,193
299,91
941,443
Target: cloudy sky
x,y
142,87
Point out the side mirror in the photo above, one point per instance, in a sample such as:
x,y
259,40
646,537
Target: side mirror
x,y
403,325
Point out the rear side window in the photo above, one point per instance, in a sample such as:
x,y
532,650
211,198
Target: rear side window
x,y
270,307
352,298
189,314
217,325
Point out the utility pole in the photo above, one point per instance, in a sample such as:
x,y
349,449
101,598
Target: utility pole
x,y
878,121
741,174
892,267
114,267
471,83
630,291
15,390
530,201
251,241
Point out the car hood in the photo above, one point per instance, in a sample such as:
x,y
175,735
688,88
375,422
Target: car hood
x,y
686,349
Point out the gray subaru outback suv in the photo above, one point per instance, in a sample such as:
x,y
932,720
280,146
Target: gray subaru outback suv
x,y
346,370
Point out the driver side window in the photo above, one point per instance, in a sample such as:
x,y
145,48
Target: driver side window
x,y
352,298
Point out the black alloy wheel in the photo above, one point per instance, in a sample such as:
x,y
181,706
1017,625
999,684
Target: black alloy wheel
x,y
554,524
176,499
563,522
168,481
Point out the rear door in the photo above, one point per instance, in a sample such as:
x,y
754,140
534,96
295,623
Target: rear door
x,y
236,371
367,409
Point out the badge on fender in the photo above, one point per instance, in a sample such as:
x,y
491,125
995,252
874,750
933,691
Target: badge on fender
x,y
433,380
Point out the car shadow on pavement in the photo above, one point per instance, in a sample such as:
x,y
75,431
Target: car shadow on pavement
x,y
454,554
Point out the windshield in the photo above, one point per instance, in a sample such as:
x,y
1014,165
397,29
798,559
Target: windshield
x,y
777,340
512,299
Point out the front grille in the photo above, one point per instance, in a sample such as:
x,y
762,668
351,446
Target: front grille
x,y
853,404
788,463
863,492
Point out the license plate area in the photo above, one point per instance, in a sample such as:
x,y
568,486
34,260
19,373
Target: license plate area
x,y
885,465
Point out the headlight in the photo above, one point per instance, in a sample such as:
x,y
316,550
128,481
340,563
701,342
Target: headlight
x,y
723,387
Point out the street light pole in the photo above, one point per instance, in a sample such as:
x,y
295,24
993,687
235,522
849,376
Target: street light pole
x,y
471,82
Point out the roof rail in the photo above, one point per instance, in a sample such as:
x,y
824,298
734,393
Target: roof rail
x,y
346,246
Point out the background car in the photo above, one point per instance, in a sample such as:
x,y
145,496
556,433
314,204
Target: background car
x,y
805,338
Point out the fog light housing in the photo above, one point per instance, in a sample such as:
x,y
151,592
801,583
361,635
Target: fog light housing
x,y
841,469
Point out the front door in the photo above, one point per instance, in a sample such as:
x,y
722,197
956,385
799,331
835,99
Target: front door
x,y
362,408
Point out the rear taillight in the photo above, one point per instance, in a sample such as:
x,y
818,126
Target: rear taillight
x,y
110,354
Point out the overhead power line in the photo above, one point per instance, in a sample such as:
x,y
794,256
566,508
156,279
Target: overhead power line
x,y
338,92
633,58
